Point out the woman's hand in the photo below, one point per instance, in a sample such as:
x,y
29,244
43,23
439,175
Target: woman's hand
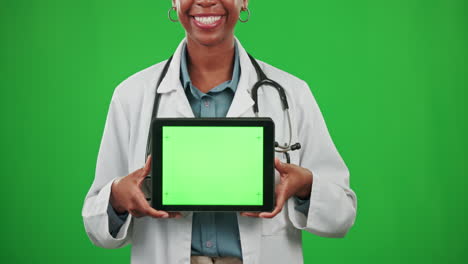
x,y
126,195
294,180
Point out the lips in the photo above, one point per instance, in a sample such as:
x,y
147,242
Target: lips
x,y
207,21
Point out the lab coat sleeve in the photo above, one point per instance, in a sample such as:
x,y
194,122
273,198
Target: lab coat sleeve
x,y
332,208
112,163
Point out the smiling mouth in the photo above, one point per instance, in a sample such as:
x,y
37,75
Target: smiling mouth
x,y
207,20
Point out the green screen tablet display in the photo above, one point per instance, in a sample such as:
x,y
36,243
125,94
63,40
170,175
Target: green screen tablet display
x,y
212,165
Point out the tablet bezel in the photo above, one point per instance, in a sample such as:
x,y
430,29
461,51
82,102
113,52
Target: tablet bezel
x,y
268,162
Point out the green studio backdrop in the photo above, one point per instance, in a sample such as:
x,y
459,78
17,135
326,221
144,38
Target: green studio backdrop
x,y
389,76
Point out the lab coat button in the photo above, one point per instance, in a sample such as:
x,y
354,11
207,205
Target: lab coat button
x,y
209,244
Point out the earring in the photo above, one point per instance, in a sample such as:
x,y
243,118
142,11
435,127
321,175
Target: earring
x,y
248,15
169,14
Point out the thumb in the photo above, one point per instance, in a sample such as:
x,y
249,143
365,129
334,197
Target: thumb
x,y
147,168
280,166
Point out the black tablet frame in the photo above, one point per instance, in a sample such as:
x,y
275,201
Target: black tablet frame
x,y
268,162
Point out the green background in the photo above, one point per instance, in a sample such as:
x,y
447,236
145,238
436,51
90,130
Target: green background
x,y
390,77
191,167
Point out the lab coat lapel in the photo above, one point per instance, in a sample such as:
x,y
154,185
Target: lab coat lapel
x,y
242,101
171,84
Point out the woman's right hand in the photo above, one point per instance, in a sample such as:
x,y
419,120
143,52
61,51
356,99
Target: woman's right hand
x,y
126,195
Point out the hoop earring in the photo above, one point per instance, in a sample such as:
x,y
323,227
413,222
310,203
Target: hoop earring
x,y
248,15
169,14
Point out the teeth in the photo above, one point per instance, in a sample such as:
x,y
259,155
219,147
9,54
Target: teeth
x,y
207,20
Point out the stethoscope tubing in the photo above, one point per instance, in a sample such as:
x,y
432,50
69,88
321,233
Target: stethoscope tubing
x,y
263,80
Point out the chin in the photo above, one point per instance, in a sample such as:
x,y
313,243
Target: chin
x,y
209,39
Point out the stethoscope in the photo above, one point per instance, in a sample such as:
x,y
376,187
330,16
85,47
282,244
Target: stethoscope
x,y
263,80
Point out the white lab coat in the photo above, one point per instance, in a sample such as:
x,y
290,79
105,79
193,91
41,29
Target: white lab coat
x,y
264,241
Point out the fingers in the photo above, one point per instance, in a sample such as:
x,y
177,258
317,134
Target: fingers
x,y
175,215
132,199
150,211
139,206
276,211
281,198
280,201
250,214
147,168
142,208
281,167
143,172
279,206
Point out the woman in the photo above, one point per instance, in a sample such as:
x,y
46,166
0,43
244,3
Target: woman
x,y
211,75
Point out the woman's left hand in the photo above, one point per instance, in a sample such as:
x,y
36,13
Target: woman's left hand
x,y
294,180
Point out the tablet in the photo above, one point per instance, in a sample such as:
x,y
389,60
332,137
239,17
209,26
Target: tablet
x,y
213,164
